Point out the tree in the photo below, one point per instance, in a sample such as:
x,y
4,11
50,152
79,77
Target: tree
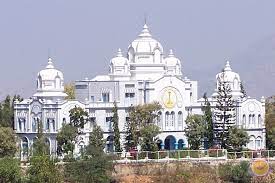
x,y
69,89
209,134
96,142
195,130
67,136
224,113
140,116
115,120
270,122
43,169
66,139
78,117
96,167
7,142
148,140
7,111
40,147
237,138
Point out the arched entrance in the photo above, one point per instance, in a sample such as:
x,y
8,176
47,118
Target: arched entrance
x,y
25,147
169,143
181,144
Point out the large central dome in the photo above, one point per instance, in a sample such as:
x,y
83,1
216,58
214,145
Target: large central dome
x,y
145,43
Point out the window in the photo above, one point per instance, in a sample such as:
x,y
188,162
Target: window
x,y
166,118
21,124
180,118
109,123
250,119
244,120
92,98
34,124
172,118
105,97
159,119
129,85
129,95
253,120
25,146
92,121
50,124
81,86
259,121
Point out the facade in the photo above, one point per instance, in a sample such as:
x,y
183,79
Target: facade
x,y
145,74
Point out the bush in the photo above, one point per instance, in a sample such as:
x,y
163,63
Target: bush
x,y
9,170
238,173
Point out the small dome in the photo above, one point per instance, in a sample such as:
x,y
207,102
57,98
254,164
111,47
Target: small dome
x,y
119,60
50,82
171,60
229,75
50,73
145,43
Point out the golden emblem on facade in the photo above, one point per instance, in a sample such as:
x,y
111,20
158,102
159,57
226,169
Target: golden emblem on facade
x,y
169,98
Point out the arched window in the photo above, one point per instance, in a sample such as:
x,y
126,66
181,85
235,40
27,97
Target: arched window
x,y
259,121
34,124
258,143
39,82
157,58
244,120
250,120
81,146
180,119
57,82
159,119
251,144
48,144
172,118
131,56
253,120
235,84
166,118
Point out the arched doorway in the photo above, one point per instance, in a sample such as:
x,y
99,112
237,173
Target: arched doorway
x,y
181,144
169,143
25,147
110,144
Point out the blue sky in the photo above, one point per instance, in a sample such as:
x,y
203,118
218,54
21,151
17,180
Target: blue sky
x,y
84,35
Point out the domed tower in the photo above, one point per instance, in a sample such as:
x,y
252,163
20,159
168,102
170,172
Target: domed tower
x,y
50,83
173,64
145,55
232,79
119,67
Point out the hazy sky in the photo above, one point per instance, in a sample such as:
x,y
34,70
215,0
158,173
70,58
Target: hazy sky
x,y
84,35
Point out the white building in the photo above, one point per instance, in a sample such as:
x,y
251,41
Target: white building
x,y
144,75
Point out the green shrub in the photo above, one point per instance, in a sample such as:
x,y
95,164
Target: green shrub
x,y
9,170
238,173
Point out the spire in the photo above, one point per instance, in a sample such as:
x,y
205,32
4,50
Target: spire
x,y
50,64
171,54
145,32
119,53
227,66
